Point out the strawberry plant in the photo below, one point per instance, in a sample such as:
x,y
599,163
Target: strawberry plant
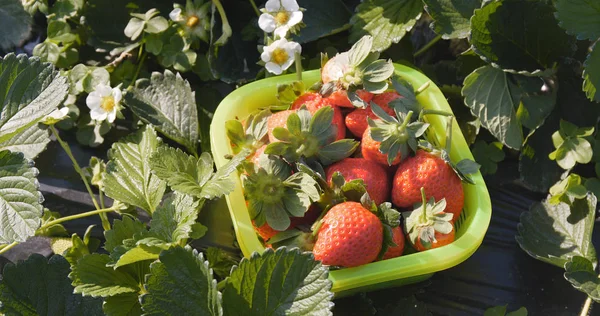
x,y
134,85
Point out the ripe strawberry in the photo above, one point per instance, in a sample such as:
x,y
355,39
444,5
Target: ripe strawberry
x,y
398,238
278,119
350,236
314,102
374,176
390,139
428,226
356,121
340,98
265,231
384,99
429,171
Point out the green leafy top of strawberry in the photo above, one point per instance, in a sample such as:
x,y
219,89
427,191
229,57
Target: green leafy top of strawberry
x,y
252,135
310,137
287,93
427,218
389,217
464,167
398,135
408,101
274,194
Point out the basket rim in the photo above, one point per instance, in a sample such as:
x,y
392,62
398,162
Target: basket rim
x,y
470,234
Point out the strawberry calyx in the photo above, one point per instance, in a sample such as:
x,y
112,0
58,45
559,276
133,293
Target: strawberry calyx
x,y
464,167
311,137
274,193
398,135
389,217
287,93
252,134
427,218
293,238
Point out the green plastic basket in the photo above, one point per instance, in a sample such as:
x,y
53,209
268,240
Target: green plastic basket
x,y
407,269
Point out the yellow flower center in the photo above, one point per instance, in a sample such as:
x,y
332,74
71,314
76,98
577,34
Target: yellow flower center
x,y
108,103
192,21
282,17
279,56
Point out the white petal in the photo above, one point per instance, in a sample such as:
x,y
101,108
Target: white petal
x,y
281,31
273,5
290,5
98,114
295,18
103,90
292,48
273,68
267,22
93,100
175,15
111,116
280,43
117,95
266,55
287,63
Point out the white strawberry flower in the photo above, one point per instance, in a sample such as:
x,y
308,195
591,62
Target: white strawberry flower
x,y
56,116
279,56
279,16
104,103
193,19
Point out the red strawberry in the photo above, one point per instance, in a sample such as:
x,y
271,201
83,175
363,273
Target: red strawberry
x,y
265,231
370,150
374,176
356,121
278,119
314,102
309,217
433,174
350,236
440,240
398,237
335,67
384,99
340,98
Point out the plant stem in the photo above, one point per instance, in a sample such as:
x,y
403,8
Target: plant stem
x,y
139,67
434,112
424,206
298,60
586,307
101,211
8,247
423,87
225,27
255,7
448,144
67,149
427,46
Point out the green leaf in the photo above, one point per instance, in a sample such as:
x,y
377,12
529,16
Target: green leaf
x,y
488,156
30,141
20,200
91,277
501,311
139,253
280,282
128,177
325,18
56,230
15,24
194,176
571,145
536,104
492,98
60,32
181,283
167,102
29,90
451,18
519,35
220,262
79,248
579,17
591,75
90,132
121,230
134,28
567,190
581,273
40,286
85,79
555,233
47,51
173,220
386,20
122,305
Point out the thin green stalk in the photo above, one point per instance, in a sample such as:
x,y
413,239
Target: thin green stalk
x,y
78,216
424,206
8,247
448,143
255,7
226,28
298,60
103,217
586,307
427,46
139,67
433,112
423,87
67,149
